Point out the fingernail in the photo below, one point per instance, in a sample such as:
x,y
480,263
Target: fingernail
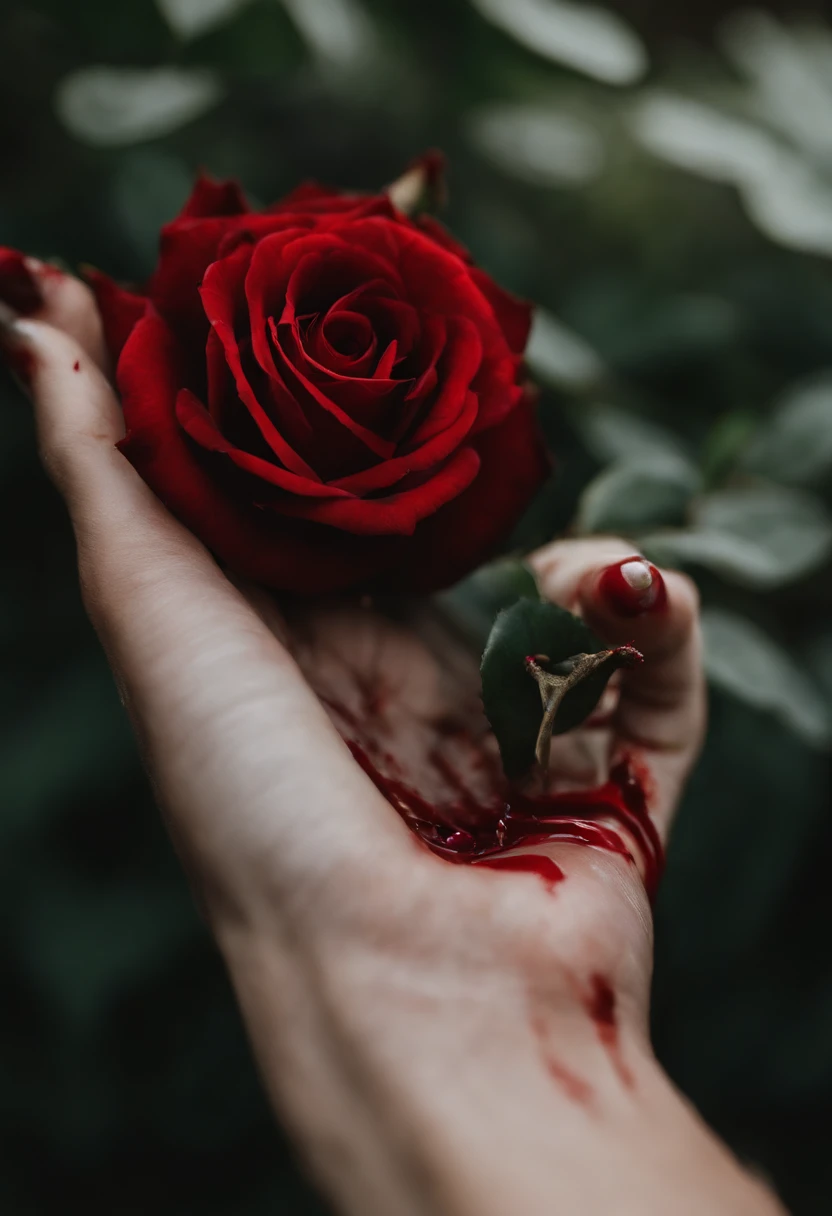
x,y
19,288
632,587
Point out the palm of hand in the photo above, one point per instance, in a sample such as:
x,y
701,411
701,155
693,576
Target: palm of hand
x,y
404,690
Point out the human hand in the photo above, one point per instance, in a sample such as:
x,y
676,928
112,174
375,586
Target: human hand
x,y
409,1015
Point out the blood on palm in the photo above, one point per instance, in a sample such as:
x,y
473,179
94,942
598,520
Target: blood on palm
x,y
468,826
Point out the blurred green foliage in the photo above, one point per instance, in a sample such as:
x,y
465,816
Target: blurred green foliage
x,y
669,204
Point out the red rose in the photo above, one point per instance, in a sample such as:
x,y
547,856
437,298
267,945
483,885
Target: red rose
x,y
326,392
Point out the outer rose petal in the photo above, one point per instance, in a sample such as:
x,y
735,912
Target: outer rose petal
x,y
120,310
281,553
466,532
514,316
187,249
310,198
439,233
210,197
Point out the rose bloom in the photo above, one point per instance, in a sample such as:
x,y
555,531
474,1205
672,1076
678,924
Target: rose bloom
x,y
327,393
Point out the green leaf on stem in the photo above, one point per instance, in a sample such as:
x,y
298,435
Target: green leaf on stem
x,y
543,673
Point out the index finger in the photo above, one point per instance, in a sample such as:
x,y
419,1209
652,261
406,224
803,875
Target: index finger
x,y
257,784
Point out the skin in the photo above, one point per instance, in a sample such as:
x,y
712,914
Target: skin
x,y
424,1030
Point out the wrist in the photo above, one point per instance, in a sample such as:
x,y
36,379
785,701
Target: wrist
x,y
447,1091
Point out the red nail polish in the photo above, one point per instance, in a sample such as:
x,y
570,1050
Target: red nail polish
x,y
633,586
18,286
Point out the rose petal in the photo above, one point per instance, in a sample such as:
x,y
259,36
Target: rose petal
x,y
210,197
387,362
223,298
430,455
120,310
298,379
457,368
195,419
468,531
322,268
277,551
328,336
253,228
440,234
274,265
514,316
187,249
312,198
364,398
396,513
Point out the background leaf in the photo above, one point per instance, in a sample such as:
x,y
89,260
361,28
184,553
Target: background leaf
x,y
108,107
641,493
190,18
338,32
762,538
590,39
474,603
537,144
794,446
560,357
742,660
615,434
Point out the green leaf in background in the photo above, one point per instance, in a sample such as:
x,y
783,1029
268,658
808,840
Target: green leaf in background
x,y
541,145
614,434
778,163
560,357
741,659
109,934
637,494
473,604
787,71
108,107
794,446
724,444
511,696
701,138
819,661
190,18
338,32
581,36
763,538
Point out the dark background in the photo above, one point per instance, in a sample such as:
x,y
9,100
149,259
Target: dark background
x,y
693,296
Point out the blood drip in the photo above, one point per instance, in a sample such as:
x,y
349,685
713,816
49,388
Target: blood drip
x,y
528,863
575,1087
599,1003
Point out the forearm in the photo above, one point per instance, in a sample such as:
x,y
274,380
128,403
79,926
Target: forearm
x,y
417,1094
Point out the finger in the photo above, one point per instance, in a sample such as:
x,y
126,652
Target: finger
x,y
661,709
44,292
257,783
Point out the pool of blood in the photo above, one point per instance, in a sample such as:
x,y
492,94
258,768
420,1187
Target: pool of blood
x,y
466,828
